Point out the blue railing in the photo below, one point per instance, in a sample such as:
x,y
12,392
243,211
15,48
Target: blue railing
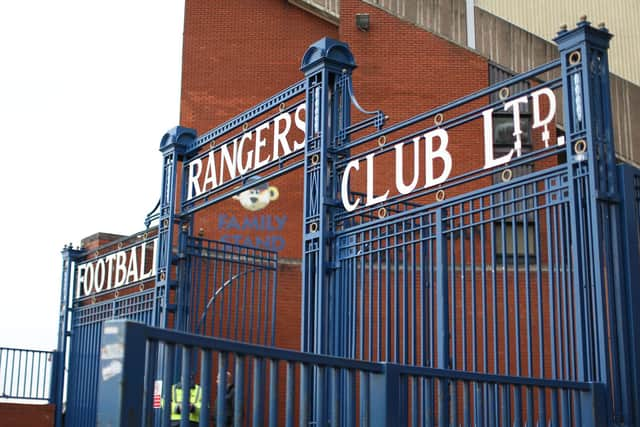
x,y
279,387
26,374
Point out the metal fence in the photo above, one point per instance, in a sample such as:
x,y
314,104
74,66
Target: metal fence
x,y
26,374
276,387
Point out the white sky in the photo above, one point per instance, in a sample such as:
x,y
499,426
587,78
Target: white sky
x,y
87,90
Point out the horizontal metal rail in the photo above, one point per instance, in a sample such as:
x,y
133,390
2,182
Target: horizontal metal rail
x,y
25,373
270,386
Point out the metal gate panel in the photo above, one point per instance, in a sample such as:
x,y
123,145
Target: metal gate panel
x,y
84,353
233,291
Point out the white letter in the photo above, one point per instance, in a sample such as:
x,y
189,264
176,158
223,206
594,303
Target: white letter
x,y
371,199
244,168
489,161
516,122
79,282
537,121
195,167
98,277
143,262
229,160
300,124
132,270
406,189
280,136
261,142
121,268
88,278
344,193
210,174
110,258
441,152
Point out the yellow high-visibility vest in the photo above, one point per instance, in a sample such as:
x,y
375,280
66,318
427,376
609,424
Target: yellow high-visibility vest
x,y
195,400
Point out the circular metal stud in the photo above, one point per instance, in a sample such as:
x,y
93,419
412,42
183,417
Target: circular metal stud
x,y
438,119
212,143
93,300
575,57
165,223
245,126
163,276
119,245
313,227
506,175
141,288
440,195
504,93
116,294
145,235
315,159
382,212
382,139
580,146
282,107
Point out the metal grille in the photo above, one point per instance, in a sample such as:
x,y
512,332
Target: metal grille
x,y
233,291
84,356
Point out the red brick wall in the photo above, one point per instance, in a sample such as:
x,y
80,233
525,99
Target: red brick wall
x,y
238,53
23,415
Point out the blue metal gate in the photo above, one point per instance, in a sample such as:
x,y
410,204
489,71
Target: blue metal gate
x,y
494,291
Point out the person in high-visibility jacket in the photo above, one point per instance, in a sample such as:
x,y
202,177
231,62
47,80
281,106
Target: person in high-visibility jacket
x,y
195,403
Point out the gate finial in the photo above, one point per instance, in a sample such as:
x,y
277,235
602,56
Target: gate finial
x,y
332,53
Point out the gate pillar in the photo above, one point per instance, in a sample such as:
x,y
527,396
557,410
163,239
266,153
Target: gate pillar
x,y
594,209
56,394
327,65
173,147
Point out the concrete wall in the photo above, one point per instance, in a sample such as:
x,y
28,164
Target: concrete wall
x,y
544,17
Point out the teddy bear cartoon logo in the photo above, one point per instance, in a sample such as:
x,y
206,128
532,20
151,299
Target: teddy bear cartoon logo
x,y
258,197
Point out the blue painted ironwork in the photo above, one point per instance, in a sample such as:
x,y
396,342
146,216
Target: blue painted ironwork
x,y
326,64
497,297
233,291
26,374
393,387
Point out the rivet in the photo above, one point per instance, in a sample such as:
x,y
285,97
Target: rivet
x,y
504,93
440,195
382,140
315,159
245,126
212,143
382,212
575,57
506,175
282,107
580,146
313,227
438,119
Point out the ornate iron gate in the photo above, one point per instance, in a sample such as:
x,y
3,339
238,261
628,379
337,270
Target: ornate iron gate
x,y
507,266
